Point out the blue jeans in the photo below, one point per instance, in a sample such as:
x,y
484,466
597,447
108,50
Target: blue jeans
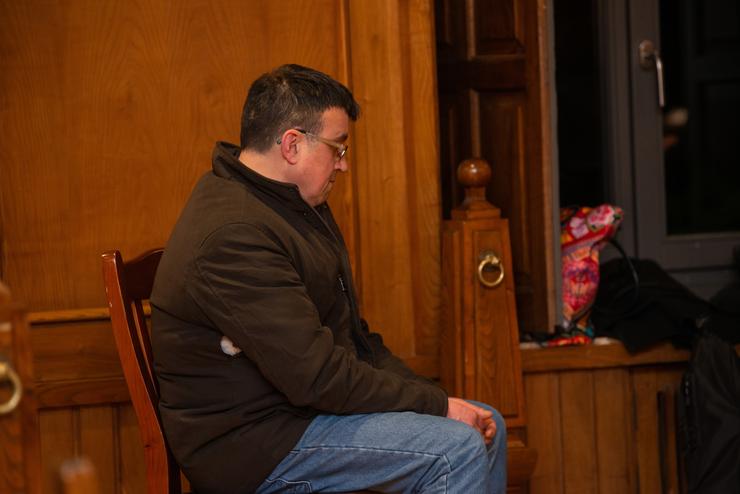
x,y
392,452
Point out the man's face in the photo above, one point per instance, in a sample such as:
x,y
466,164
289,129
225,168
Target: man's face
x,y
318,165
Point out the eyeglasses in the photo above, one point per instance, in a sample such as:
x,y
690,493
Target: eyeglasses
x,y
341,148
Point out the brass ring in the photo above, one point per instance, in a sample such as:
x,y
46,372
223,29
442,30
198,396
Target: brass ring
x,y
7,373
493,260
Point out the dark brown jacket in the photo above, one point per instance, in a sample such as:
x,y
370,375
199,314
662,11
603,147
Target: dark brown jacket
x,y
249,259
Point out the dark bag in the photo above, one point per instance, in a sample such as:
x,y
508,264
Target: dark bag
x,y
709,417
641,304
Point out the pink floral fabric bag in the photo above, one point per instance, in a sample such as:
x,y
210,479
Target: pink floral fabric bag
x,y
584,232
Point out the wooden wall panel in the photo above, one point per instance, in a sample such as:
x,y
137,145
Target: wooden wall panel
x,y
89,342
594,419
613,415
97,441
131,96
578,422
397,183
84,405
614,422
106,104
646,386
647,383
108,114
500,34
107,435
59,430
421,119
544,432
379,76
132,470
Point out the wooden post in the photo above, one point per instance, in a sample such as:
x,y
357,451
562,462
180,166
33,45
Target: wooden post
x,y
480,356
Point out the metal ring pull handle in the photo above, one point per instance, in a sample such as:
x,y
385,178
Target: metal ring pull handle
x,y
489,258
7,373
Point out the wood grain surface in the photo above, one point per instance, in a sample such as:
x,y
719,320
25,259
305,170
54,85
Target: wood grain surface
x,y
494,104
108,114
596,428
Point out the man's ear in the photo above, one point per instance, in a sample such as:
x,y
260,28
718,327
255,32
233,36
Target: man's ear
x,y
289,142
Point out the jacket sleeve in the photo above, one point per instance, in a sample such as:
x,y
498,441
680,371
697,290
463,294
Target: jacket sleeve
x,y
248,287
385,359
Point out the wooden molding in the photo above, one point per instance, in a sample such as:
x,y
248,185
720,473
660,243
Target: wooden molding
x,y
68,315
83,392
74,315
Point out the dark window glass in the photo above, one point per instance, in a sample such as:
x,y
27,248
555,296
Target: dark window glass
x,y
581,163
700,46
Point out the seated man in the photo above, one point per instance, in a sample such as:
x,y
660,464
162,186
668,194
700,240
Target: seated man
x,y
270,381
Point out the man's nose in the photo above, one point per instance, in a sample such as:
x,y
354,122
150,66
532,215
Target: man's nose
x,y
342,165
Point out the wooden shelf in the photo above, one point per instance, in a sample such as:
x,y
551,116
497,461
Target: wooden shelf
x,y
598,356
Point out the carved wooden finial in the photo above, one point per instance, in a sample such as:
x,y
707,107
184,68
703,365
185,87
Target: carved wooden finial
x,y
474,174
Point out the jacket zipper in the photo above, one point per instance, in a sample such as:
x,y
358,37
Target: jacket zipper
x,y
347,289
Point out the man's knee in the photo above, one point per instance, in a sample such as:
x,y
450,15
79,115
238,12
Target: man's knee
x,y
465,444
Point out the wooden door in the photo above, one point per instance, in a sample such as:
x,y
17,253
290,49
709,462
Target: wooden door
x,y
494,104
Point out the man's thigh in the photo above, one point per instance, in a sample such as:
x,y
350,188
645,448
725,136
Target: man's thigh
x,y
392,452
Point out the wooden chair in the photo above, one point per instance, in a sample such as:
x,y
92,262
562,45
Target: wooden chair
x,y
127,285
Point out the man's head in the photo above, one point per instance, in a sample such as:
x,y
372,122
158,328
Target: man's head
x,y
294,127
289,97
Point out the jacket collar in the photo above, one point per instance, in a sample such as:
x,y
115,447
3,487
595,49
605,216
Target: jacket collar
x,y
226,165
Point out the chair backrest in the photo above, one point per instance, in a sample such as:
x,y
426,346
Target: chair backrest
x,y
127,286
